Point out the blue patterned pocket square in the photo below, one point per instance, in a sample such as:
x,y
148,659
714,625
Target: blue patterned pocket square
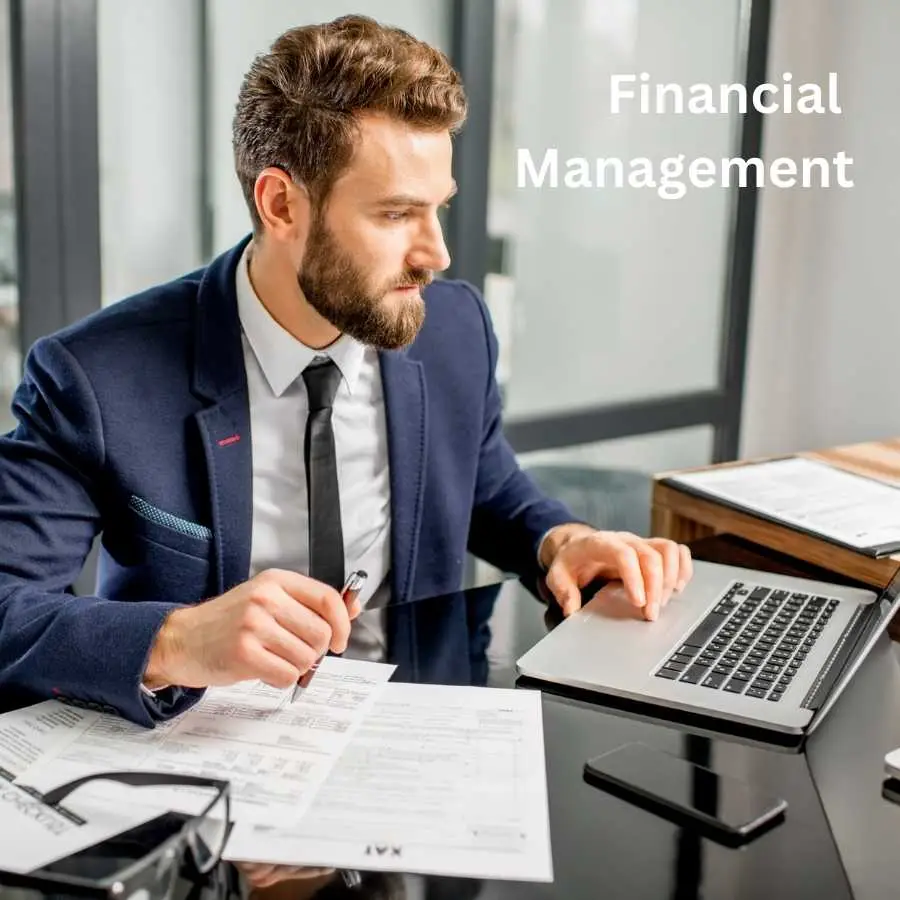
x,y
161,517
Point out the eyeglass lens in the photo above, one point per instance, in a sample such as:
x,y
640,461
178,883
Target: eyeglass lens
x,y
159,882
207,840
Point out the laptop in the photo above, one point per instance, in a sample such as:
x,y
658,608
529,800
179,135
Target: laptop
x,y
768,651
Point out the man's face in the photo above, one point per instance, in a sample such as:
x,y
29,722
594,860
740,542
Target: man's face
x,y
378,241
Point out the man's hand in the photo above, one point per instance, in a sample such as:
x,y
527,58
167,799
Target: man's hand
x,y
263,875
650,569
272,627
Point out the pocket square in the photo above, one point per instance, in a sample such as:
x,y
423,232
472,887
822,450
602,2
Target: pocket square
x,y
161,517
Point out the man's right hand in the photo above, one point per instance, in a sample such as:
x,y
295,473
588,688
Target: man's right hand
x,y
272,627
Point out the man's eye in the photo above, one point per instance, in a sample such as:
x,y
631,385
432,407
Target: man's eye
x,y
396,216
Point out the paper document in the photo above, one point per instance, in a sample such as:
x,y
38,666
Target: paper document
x,y
274,753
438,779
850,509
33,834
29,734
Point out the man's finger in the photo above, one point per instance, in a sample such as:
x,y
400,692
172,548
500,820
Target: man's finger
x,y
319,597
300,648
686,567
564,588
671,561
271,669
652,571
628,569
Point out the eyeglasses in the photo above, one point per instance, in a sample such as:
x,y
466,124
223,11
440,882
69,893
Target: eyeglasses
x,y
153,876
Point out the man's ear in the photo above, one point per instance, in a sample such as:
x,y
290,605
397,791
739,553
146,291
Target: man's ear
x,y
283,206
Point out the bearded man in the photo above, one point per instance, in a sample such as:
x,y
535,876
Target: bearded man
x,y
311,403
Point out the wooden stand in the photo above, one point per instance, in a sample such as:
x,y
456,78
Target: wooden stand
x,y
685,518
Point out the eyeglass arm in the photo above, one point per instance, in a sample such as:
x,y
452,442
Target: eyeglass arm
x,y
134,779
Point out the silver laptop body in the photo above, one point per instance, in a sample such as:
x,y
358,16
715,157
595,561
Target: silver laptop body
x,y
795,643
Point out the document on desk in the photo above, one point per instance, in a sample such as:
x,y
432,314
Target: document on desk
x,y
274,753
811,496
33,834
437,780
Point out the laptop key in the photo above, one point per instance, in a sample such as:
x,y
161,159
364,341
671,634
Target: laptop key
x,y
755,692
705,630
735,687
695,674
774,697
681,657
713,680
671,674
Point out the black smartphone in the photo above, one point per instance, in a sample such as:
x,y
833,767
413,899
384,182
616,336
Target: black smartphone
x,y
723,807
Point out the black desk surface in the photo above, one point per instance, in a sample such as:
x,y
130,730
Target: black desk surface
x,y
839,839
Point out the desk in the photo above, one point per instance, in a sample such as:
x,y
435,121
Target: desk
x,y
838,839
683,517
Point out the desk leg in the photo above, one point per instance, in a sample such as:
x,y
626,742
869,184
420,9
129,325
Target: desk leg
x,y
665,523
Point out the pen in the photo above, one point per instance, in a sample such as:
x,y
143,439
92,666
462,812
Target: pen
x,y
349,592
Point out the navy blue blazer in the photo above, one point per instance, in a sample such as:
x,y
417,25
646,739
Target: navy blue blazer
x,y
134,423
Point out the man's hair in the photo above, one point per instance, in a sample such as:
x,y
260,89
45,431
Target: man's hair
x,y
298,104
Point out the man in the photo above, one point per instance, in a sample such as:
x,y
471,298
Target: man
x,y
247,435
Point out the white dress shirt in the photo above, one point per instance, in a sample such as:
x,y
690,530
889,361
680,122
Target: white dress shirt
x,y
274,361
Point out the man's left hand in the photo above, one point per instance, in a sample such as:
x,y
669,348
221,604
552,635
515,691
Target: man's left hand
x,y
651,569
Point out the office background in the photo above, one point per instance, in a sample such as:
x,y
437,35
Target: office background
x,y
633,336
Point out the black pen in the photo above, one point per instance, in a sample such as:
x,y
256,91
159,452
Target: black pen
x,y
349,593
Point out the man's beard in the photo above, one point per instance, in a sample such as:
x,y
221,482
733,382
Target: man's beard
x,y
337,290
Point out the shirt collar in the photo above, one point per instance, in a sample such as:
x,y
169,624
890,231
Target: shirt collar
x,y
280,355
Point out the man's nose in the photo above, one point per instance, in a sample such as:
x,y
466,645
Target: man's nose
x,y
430,251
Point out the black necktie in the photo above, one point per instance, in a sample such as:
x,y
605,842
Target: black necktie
x,y
326,539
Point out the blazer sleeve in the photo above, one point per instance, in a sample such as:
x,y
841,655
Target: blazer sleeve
x,y
89,650
510,514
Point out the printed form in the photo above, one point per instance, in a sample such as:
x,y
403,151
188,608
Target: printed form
x,y
849,508
33,834
274,753
438,779
359,773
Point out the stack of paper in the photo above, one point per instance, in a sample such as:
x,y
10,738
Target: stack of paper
x,y
358,773
850,510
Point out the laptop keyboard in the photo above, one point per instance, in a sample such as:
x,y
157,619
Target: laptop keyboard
x,y
753,642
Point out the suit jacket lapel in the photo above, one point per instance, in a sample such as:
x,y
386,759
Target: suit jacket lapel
x,y
219,376
404,401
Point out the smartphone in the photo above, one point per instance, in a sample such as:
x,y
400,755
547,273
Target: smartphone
x,y
725,808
